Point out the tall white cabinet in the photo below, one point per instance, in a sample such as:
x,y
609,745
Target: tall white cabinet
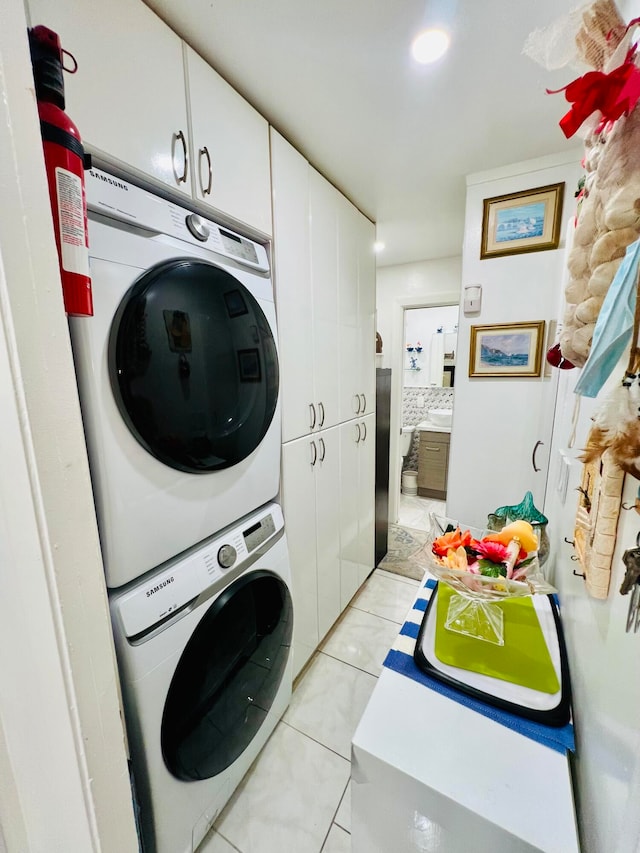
x,y
325,295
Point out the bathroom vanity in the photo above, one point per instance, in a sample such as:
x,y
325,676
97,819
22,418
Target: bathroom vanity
x,y
433,461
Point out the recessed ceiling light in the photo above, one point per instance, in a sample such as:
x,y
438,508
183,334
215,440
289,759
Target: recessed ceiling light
x,y
429,46
378,246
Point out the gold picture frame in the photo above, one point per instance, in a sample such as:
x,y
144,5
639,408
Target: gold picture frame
x,y
526,221
506,349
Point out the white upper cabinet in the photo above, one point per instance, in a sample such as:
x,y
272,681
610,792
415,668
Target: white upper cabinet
x,y
325,295
356,311
230,144
323,208
128,95
366,314
292,277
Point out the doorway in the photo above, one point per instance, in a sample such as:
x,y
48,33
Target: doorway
x,y
428,388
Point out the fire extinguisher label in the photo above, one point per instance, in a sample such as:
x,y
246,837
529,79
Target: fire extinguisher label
x,y
73,245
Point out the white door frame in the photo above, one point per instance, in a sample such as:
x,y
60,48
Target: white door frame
x,y
400,305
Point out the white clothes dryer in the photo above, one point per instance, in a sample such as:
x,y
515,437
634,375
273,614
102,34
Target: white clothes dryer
x,y
178,376
203,649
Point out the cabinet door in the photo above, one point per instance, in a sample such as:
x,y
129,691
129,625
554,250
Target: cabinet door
x,y
366,313
433,463
366,497
350,555
350,401
299,508
327,476
230,148
323,204
292,279
128,95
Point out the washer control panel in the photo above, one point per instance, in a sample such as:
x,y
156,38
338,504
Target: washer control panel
x,y
198,227
227,556
181,580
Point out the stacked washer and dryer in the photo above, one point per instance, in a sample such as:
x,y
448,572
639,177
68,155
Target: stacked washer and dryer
x,y
178,379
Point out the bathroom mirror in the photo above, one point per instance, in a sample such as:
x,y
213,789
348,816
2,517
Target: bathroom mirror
x,y
431,340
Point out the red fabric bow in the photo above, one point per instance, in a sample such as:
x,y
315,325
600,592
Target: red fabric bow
x,y
614,94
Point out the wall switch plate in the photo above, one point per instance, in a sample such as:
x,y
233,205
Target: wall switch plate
x,y
472,302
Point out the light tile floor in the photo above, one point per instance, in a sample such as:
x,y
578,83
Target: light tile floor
x,y
413,511
296,797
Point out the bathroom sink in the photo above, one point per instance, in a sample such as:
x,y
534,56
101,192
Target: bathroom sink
x,y
440,417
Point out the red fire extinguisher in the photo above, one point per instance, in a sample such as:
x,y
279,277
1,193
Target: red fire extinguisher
x,y
65,163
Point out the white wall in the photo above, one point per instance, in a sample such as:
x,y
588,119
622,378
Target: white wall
x,y
435,282
417,285
497,421
63,772
604,660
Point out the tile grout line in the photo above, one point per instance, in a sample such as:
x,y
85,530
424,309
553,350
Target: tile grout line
x,y
335,814
323,745
359,668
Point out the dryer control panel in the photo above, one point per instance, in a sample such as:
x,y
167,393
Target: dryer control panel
x,y
166,591
119,199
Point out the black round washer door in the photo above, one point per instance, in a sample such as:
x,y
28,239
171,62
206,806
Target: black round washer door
x,y
193,366
227,677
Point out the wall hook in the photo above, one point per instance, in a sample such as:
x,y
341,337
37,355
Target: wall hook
x,y
569,541
579,575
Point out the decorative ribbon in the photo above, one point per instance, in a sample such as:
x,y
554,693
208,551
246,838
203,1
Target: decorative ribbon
x,y
614,95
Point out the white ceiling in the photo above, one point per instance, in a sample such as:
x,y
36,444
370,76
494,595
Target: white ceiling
x,y
336,78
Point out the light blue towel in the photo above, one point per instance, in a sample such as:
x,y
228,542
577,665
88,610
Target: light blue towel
x,y
613,326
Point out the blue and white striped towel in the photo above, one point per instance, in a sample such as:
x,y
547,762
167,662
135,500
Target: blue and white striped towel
x,y
400,659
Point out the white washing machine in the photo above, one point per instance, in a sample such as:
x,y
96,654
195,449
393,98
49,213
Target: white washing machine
x,y
203,648
178,376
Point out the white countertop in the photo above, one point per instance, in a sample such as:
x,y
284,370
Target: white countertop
x,y
427,426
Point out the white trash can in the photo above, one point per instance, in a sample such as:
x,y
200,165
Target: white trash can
x,y
409,482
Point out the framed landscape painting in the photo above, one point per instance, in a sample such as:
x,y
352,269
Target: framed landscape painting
x,y
528,221
507,349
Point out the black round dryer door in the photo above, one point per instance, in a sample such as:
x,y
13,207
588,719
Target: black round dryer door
x,y
193,366
227,677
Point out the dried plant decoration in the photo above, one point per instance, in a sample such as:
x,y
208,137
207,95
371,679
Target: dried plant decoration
x,y
597,522
601,32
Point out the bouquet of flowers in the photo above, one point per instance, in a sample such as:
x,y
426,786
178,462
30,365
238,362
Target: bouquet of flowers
x,y
483,567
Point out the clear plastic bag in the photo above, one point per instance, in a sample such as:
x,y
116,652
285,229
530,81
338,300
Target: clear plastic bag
x,y
474,611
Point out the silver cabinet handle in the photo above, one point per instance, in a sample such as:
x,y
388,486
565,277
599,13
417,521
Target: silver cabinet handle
x,y
204,152
356,405
179,137
323,450
321,410
364,427
431,447
533,455
314,453
364,403
312,421
357,427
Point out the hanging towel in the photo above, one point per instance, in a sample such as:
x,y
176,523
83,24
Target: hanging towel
x,y
613,327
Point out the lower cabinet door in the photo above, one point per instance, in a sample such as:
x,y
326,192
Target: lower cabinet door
x,y
299,508
350,434
327,482
366,497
